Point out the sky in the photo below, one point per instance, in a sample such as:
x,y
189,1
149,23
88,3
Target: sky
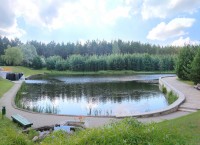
x,y
163,22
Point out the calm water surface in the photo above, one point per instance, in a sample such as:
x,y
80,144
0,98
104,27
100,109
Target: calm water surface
x,y
93,95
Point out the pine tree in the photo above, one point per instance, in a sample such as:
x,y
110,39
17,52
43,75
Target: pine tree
x,y
195,71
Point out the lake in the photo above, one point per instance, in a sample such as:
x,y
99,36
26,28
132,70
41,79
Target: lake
x,y
93,95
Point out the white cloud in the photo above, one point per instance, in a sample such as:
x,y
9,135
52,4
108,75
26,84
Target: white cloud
x,y
187,41
61,13
165,8
174,28
12,32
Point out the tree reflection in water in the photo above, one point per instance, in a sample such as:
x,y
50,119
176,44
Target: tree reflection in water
x,y
94,99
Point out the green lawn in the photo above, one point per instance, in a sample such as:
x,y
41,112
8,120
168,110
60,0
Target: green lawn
x,y
28,71
188,126
5,85
10,134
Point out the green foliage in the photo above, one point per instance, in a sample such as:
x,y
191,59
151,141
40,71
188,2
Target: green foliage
x,y
51,62
96,47
76,62
5,86
115,62
11,135
61,65
188,126
37,62
135,62
115,48
13,56
164,90
195,70
127,131
171,97
32,133
183,65
23,89
29,53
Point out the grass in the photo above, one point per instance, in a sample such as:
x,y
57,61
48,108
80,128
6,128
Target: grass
x,y
186,82
28,72
126,132
181,131
164,89
171,97
5,86
188,126
10,134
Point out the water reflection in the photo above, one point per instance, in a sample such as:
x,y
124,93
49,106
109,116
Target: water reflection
x,y
107,97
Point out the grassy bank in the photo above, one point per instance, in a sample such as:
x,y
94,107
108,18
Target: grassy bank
x,y
188,126
28,71
10,134
5,86
183,130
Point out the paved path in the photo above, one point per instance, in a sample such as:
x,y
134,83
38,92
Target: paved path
x,y
192,102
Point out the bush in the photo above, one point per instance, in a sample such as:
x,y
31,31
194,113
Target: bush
x,y
164,90
127,131
171,97
37,62
51,62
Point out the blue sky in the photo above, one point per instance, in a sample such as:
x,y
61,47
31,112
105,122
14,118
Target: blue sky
x,y
164,22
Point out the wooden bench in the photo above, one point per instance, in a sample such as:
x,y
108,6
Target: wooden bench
x,y
21,120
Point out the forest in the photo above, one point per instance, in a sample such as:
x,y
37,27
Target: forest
x,y
99,55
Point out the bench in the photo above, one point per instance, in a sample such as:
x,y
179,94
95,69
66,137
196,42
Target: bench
x,y
21,120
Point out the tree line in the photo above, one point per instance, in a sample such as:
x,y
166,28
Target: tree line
x,y
91,56
101,55
188,64
94,47
135,62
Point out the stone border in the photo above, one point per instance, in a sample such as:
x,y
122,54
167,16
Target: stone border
x,y
169,109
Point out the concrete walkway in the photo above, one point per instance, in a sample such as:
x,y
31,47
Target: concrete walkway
x,y
192,102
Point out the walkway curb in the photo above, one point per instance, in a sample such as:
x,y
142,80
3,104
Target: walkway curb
x,y
167,110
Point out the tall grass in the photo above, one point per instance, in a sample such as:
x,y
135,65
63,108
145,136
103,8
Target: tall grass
x,y
171,97
10,134
126,132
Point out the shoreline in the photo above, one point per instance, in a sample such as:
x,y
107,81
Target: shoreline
x,y
39,119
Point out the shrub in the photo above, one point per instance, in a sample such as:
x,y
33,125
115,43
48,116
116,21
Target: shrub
x,y
164,89
127,131
37,62
171,97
